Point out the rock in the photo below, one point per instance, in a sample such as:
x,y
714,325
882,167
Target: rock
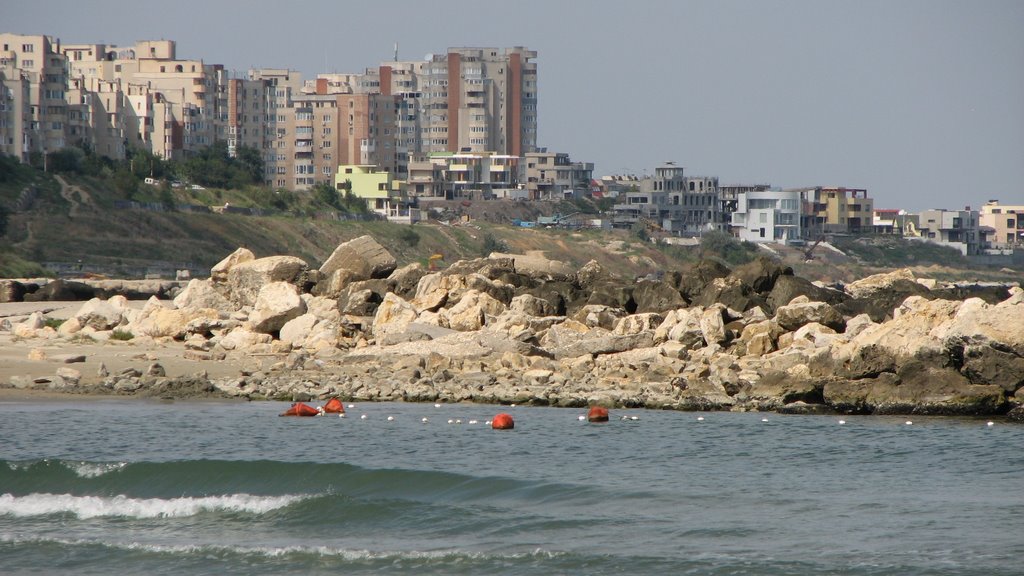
x,y
12,291
800,312
684,326
731,292
296,330
69,376
37,354
220,270
157,321
787,287
406,279
694,280
637,323
241,339
923,389
977,322
29,327
202,294
777,388
102,314
590,274
61,290
331,285
155,369
70,358
532,306
363,256
357,301
886,347
276,304
246,279
867,287
599,316
472,312
988,364
761,273
393,316
656,296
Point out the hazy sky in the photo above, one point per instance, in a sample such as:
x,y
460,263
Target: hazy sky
x,y
921,102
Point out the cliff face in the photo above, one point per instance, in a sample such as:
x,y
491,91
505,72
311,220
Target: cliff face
x,y
515,329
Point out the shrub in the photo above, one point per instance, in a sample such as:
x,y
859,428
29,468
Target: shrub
x,y
492,244
121,335
409,236
54,323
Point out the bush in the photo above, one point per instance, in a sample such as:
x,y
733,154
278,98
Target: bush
x,y
724,246
409,236
492,244
54,323
121,335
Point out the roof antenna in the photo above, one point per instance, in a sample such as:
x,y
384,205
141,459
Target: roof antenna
x,y
396,51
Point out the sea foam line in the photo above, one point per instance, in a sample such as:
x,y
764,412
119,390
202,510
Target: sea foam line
x,y
348,554
98,506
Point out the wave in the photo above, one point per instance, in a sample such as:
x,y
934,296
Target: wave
x,y
122,506
201,478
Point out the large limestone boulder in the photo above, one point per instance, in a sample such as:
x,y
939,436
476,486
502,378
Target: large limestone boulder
x,y
276,304
241,339
712,325
201,294
246,279
61,291
11,291
637,323
472,311
159,321
28,327
656,296
866,287
102,314
761,273
927,389
219,272
787,287
917,332
682,326
599,316
801,311
730,292
363,256
393,316
296,330
977,322
532,306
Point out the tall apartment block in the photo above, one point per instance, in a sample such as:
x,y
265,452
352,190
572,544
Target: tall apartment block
x,y
466,100
33,81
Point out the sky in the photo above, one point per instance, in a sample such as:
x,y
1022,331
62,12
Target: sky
x,y
921,102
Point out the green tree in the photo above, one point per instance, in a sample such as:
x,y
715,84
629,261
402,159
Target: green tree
x,y
326,194
4,216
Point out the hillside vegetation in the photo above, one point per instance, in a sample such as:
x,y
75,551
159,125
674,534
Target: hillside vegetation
x,y
78,216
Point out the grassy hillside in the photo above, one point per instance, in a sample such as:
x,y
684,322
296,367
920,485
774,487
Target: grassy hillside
x,y
79,221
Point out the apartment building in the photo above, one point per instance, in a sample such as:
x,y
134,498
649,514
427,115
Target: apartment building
x,y
554,176
959,229
447,176
767,216
281,84
467,100
835,210
1006,223
33,82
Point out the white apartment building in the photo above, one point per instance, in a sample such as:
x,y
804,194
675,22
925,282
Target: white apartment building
x,y
767,216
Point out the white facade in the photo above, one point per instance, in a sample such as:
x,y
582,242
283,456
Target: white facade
x,y
768,216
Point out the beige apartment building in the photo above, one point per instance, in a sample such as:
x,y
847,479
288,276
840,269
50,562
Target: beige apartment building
x,y
554,176
33,82
831,209
1006,223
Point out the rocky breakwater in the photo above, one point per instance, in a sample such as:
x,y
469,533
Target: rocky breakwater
x,y
488,330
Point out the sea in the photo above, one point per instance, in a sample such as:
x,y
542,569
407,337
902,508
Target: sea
x,y
132,486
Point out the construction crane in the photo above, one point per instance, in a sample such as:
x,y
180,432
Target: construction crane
x,y
809,252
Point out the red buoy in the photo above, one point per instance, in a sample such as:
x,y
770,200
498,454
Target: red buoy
x,y
503,421
597,414
334,406
300,409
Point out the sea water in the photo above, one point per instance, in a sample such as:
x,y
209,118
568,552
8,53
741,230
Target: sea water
x,y
146,487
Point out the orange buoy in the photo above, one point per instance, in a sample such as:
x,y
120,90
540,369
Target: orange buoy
x,y
334,406
597,414
300,409
503,421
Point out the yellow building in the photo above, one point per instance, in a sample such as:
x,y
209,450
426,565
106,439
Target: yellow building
x,y
383,195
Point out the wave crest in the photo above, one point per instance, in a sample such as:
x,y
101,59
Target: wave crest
x,y
123,506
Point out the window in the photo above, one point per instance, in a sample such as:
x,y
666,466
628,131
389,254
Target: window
x,y
27,48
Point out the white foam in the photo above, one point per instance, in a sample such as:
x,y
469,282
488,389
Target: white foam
x,y
95,469
98,506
